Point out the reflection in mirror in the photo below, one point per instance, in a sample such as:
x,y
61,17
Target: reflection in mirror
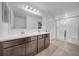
x,y
32,22
39,25
5,12
21,20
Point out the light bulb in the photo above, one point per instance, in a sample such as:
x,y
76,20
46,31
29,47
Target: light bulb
x,y
26,6
30,8
34,9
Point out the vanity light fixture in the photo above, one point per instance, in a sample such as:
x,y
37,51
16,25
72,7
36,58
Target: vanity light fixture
x,y
30,9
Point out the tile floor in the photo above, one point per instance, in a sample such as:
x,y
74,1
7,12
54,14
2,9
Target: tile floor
x,y
60,48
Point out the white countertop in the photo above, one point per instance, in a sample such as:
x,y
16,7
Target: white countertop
x,y
12,37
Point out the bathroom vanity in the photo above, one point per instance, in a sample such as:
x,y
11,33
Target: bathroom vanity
x,y
24,44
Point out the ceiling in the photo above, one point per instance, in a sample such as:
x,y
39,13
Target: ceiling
x,y
57,8
53,8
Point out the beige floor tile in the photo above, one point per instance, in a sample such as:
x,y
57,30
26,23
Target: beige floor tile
x,y
60,48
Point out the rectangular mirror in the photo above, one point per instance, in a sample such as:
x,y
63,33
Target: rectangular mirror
x,y
20,19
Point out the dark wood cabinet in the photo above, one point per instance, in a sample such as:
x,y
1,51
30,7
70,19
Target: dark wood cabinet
x,y
27,46
40,43
15,42
10,43
15,51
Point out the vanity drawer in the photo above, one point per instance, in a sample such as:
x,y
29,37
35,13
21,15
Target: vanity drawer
x,y
10,43
14,42
33,38
28,40
22,40
40,36
46,35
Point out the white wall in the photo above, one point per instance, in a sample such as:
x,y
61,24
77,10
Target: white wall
x,y
51,26
0,18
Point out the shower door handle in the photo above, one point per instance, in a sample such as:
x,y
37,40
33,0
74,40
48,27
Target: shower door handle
x,y
65,34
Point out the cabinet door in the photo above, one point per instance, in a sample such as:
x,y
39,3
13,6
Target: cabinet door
x,y
40,44
1,49
47,42
15,51
31,46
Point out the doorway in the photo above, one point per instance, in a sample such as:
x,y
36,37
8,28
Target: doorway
x,y
67,30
